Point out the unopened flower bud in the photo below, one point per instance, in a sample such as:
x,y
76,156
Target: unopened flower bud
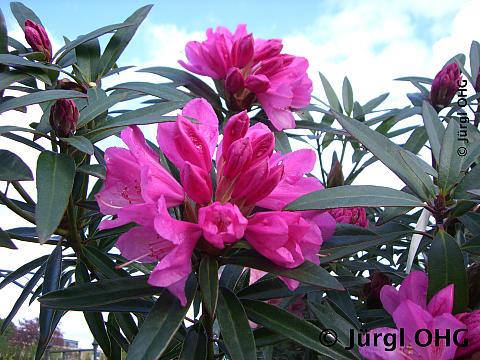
x,y
197,183
64,117
267,49
444,86
371,291
234,81
38,39
257,83
238,156
235,129
335,177
66,84
242,51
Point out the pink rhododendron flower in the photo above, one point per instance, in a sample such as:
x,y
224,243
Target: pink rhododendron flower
x,y
138,189
253,70
355,216
410,311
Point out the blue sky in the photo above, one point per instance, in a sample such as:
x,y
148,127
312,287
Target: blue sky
x,y
371,41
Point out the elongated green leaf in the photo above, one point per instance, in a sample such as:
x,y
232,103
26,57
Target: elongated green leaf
x,y
38,97
473,153
434,127
99,293
308,272
120,40
80,143
472,246
98,103
12,168
195,344
236,331
353,196
104,264
22,270
96,170
266,337
372,104
192,83
446,266
162,91
331,96
450,162
472,221
230,275
5,240
208,280
116,338
292,327
10,77
14,60
87,55
272,289
161,324
347,95
412,174
87,37
468,182
127,324
55,174
474,59
22,13
49,318
391,213
23,296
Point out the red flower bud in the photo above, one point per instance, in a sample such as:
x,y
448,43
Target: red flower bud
x,y
444,86
66,84
64,117
234,80
38,39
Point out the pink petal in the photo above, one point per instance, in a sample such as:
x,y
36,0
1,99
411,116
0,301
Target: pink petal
x,y
142,240
442,301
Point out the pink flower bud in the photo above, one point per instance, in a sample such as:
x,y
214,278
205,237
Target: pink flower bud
x,y
263,146
235,129
64,117
266,187
239,154
472,324
66,84
38,39
197,183
444,86
354,216
266,49
242,51
191,145
249,180
221,224
257,83
234,81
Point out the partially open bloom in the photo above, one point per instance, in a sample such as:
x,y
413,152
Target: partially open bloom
x,y
64,117
354,216
445,86
37,38
253,71
410,311
138,189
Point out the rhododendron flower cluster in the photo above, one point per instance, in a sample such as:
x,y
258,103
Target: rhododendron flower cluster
x,y
248,173
253,70
410,311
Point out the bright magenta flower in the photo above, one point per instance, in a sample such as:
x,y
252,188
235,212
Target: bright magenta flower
x,y
253,71
410,311
138,189
37,38
354,216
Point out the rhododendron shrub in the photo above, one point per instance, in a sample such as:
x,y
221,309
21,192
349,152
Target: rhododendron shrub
x,y
190,221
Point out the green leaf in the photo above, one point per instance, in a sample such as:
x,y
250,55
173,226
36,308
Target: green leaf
x,y
80,143
474,59
55,174
450,162
472,246
389,153
473,153
391,213
230,275
266,337
308,272
101,292
236,331
353,196
372,104
273,288
195,344
104,264
10,77
292,327
23,296
331,96
87,55
22,271
468,182
120,40
12,168
22,13
127,324
98,103
472,221
208,280
117,340
347,94
14,60
281,142
446,266
163,91
5,240
434,127
96,170
192,83
161,324
87,37
38,97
